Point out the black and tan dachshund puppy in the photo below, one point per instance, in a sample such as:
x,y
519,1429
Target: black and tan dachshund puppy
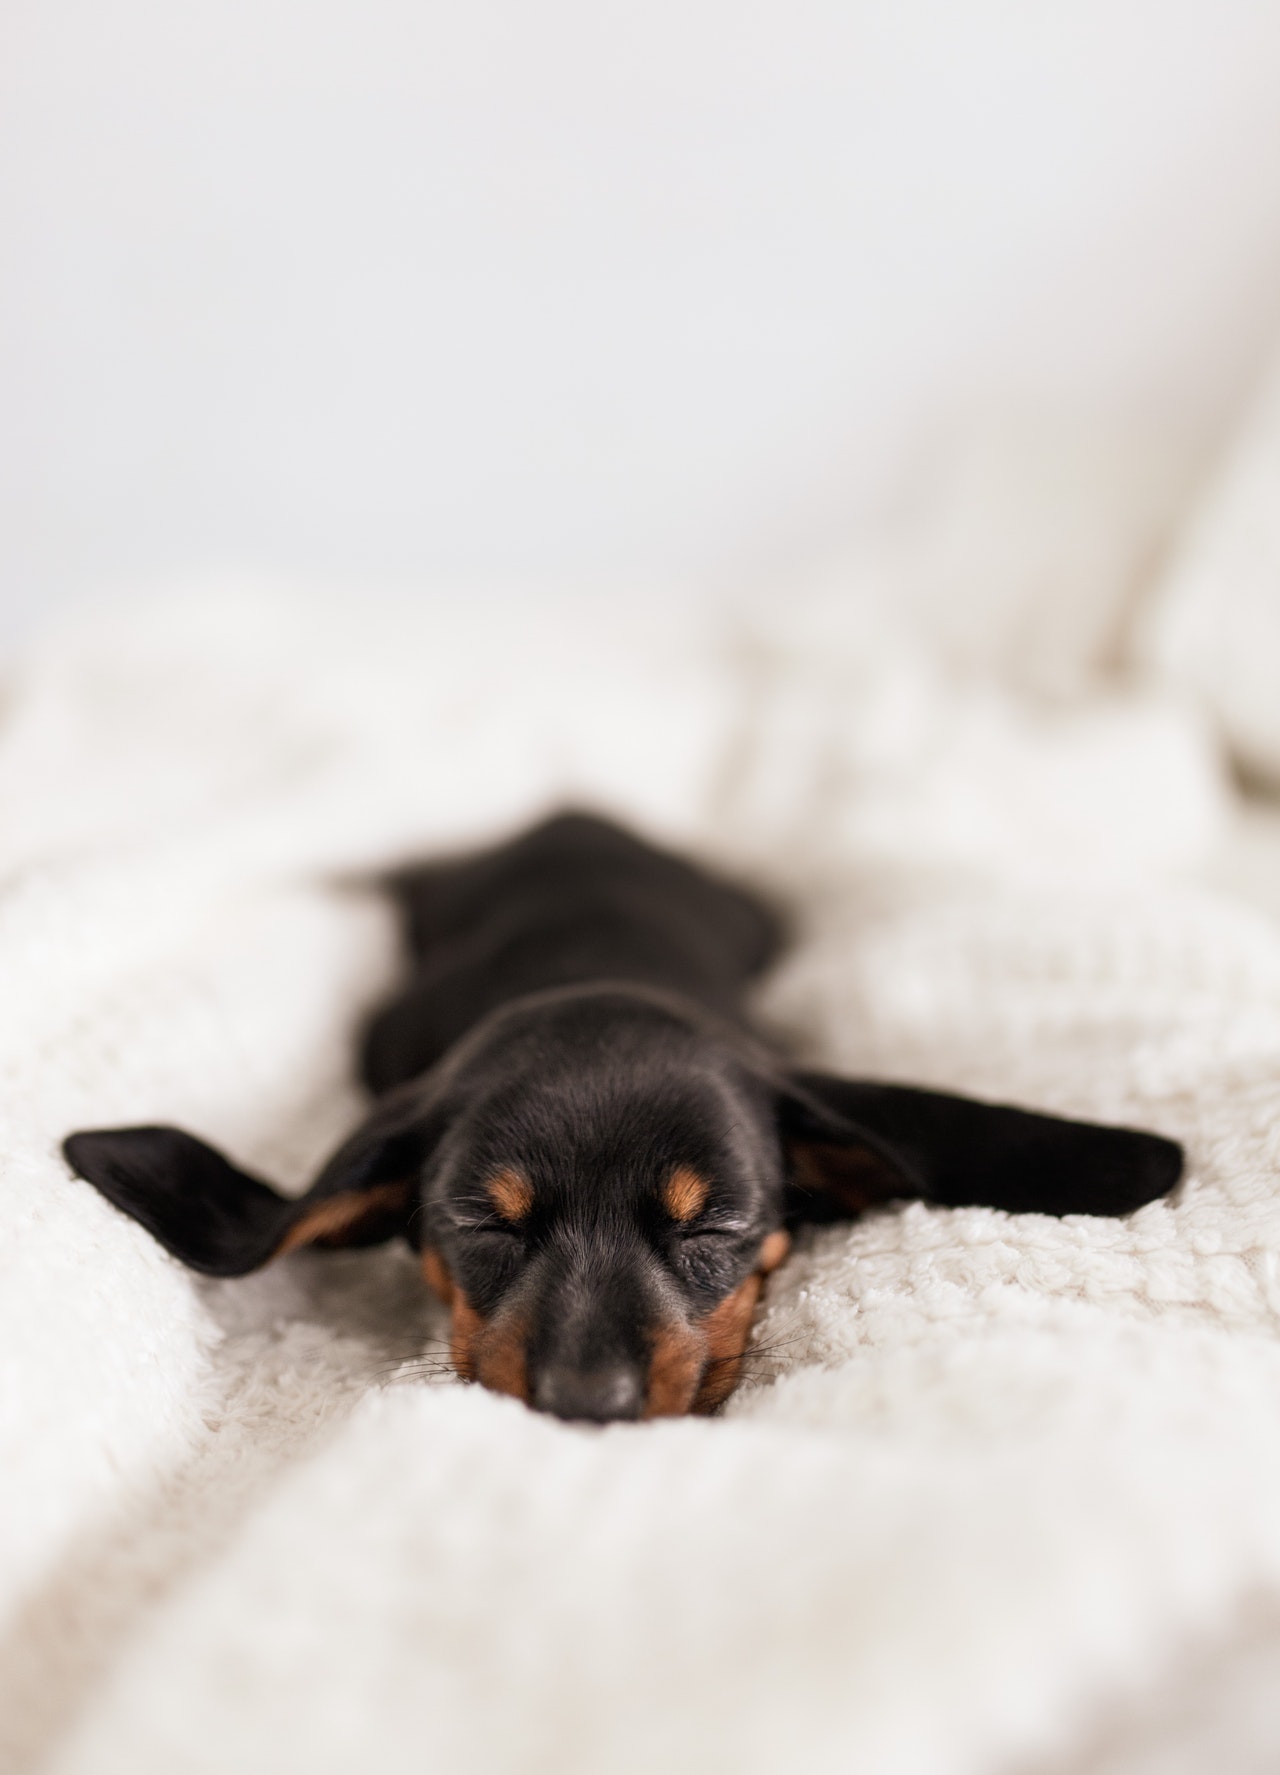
x,y
595,1155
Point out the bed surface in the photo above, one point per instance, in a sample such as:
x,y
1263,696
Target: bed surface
x,y
996,1486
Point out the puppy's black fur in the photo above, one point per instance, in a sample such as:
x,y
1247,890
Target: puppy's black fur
x,y
596,1155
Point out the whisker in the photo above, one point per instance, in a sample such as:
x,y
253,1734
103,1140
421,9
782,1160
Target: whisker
x,y
408,1372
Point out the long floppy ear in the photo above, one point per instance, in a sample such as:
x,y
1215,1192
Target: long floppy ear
x,y
223,1222
852,1144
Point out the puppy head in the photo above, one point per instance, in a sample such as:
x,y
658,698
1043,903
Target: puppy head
x,y
603,1208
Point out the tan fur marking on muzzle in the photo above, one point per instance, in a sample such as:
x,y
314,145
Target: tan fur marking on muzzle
x,y
726,1331
695,1366
675,1367
466,1328
437,1274
491,1351
686,1193
502,1358
511,1195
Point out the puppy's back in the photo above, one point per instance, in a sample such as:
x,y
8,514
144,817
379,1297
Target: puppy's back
x,y
573,900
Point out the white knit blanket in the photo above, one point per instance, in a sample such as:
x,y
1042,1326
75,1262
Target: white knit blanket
x,y
996,1485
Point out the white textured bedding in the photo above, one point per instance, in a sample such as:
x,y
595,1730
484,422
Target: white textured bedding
x,y
997,1486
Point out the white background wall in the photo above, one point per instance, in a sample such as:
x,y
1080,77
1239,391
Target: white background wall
x,y
570,288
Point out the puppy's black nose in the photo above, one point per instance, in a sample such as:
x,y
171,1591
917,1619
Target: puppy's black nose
x,y
598,1395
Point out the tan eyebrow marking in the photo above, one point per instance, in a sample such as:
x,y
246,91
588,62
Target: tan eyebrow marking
x,y
511,1195
686,1193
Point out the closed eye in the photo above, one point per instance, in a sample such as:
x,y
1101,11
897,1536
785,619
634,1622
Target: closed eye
x,y
708,1257
488,1226
486,1255
714,1227
478,1217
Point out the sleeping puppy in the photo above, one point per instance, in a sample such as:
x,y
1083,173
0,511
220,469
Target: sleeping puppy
x,y
596,1157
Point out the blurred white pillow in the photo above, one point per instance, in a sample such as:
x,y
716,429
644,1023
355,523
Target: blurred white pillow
x,y
1212,624
1017,543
